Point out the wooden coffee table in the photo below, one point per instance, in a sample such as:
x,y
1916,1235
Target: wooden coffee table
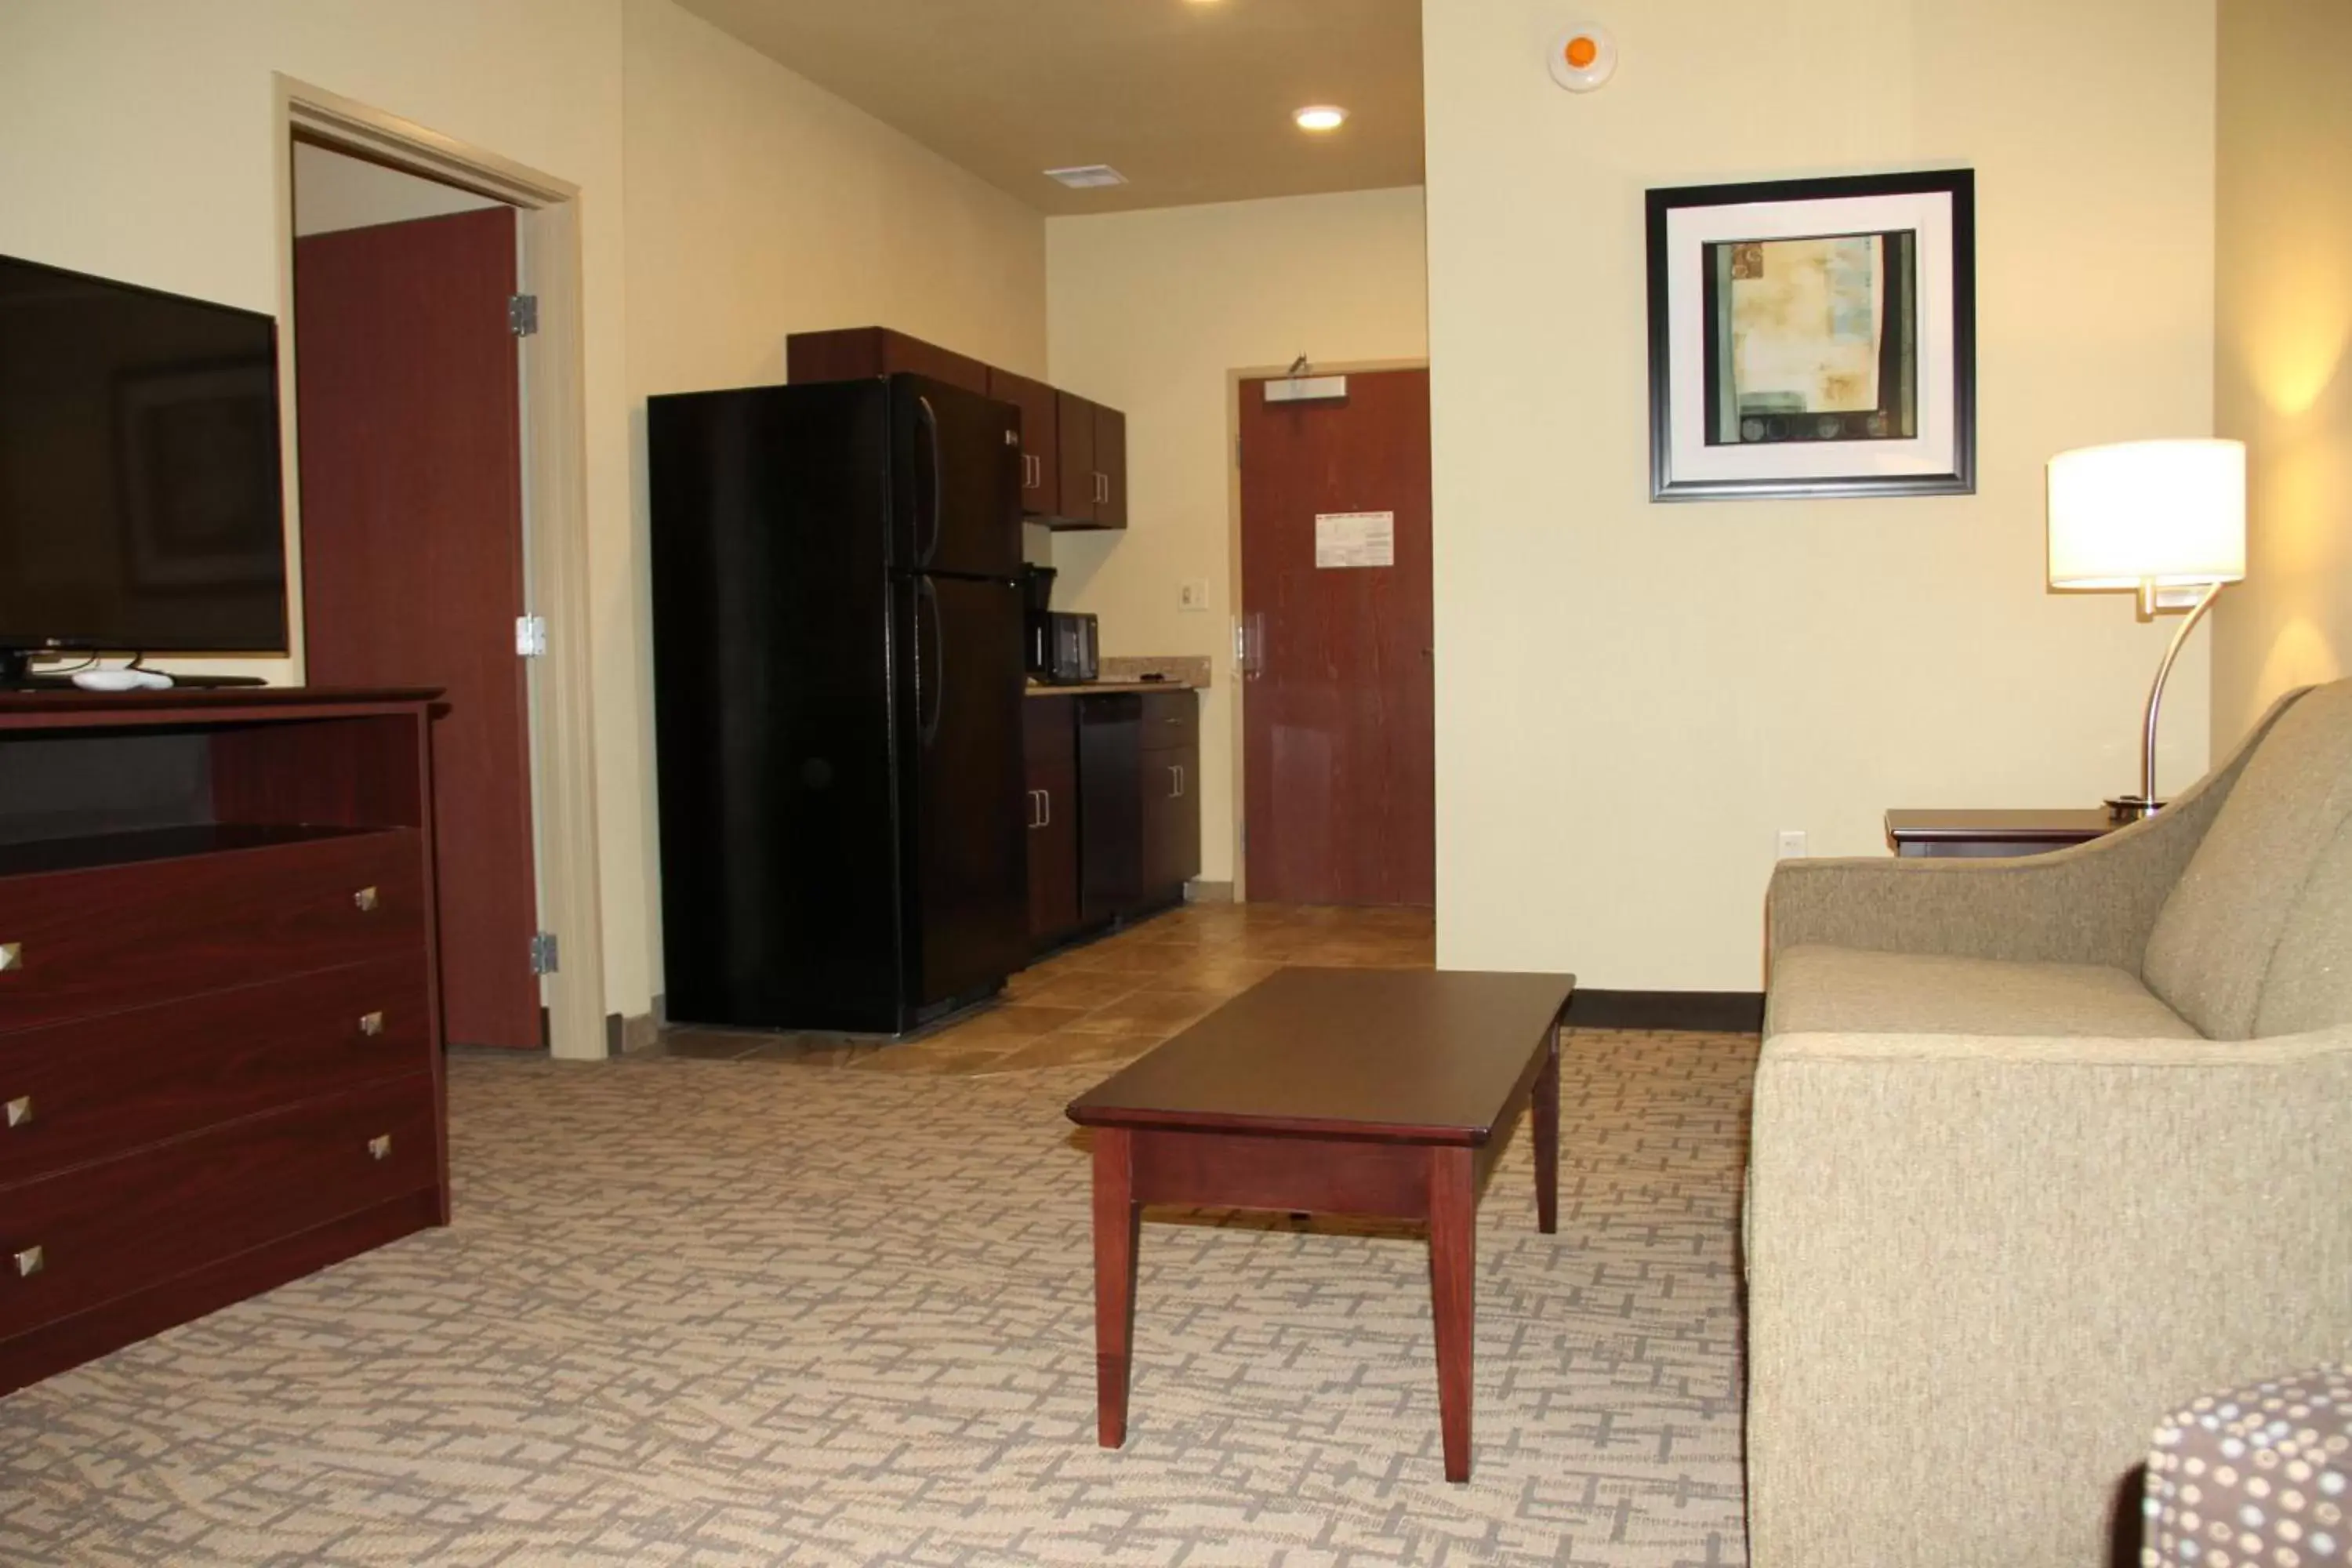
x,y
1362,1091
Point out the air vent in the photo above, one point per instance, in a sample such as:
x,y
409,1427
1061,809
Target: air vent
x,y
1088,176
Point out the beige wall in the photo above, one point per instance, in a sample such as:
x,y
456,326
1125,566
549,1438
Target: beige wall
x,y
138,141
1150,311
333,192
1633,698
2283,370
758,207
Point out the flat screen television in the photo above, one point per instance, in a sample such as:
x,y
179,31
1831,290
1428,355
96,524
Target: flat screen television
x,y
140,506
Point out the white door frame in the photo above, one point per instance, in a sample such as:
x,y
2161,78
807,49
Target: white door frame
x,y
555,514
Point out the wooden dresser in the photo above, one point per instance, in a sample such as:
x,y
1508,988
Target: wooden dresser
x,y
220,1062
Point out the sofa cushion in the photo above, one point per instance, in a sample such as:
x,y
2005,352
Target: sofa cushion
x,y
2214,940
1852,990
2309,984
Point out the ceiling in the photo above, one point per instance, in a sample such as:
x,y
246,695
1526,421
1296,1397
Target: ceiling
x,y
1190,100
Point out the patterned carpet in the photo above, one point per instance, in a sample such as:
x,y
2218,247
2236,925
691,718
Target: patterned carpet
x,y
716,1312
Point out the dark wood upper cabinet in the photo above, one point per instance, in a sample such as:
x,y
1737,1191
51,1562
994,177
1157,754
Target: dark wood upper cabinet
x,y
1081,481
1110,464
851,353
1073,451
1041,470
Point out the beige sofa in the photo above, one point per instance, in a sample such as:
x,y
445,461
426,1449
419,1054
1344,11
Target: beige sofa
x,y
2041,1148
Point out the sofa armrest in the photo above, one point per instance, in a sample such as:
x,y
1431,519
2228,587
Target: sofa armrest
x,y
2091,903
1979,1270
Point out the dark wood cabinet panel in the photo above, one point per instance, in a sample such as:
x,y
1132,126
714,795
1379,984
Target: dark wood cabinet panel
x,y
1168,781
1050,749
1110,464
851,353
1072,450
1080,481
1041,448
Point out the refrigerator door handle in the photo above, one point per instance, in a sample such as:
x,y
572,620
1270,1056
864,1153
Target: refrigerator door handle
x,y
927,729
931,417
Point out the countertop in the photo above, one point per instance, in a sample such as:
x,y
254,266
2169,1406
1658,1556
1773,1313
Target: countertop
x,y
1088,688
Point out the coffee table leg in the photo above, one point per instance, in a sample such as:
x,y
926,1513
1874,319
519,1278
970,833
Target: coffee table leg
x,y
1546,1115
1452,1257
1118,1221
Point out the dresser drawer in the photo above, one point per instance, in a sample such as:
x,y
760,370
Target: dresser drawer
x,y
82,1238
98,1086
115,937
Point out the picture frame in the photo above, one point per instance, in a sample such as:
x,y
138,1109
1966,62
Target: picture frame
x,y
1813,338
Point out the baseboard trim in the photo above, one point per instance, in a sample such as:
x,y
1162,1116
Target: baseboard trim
x,y
1197,891
1709,1012
632,1033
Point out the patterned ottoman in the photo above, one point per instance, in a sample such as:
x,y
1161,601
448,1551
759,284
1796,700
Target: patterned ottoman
x,y
2261,1477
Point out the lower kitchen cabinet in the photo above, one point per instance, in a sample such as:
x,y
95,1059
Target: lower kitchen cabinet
x,y
1134,838
1170,855
1050,746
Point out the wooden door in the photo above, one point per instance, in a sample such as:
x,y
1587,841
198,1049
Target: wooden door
x,y
406,380
1338,711
1074,419
1050,749
1110,462
1041,453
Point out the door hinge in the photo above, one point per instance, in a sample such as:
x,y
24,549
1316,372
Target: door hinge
x,y
530,636
523,314
543,956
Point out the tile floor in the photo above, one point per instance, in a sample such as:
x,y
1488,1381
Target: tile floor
x,y
1111,999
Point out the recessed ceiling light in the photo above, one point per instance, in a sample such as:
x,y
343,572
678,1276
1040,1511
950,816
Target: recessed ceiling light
x,y
1086,177
1321,117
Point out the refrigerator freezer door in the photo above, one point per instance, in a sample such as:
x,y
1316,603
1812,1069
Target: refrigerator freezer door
x,y
966,854
956,490
773,687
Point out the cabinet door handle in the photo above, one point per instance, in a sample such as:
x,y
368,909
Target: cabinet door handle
x,y
1045,800
12,955
380,1146
1184,779
371,1024
31,1261
366,900
20,1111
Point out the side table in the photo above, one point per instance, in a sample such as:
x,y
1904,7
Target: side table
x,y
1986,833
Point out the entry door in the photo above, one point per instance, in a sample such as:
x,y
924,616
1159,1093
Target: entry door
x,y
1338,702
406,377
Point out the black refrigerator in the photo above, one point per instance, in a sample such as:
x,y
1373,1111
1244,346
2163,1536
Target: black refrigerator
x,y
837,686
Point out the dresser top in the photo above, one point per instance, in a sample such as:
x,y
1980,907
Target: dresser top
x,y
206,702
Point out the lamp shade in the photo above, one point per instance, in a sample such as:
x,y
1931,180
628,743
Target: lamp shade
x,y
2167,512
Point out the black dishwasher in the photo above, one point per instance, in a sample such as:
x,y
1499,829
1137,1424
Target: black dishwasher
x,y
1110,805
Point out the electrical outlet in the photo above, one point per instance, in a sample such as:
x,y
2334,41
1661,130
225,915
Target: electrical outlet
x,y
1792,844
1193,595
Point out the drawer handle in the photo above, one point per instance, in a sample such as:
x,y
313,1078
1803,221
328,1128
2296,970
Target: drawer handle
x,y
12,955
366,900
20,1111
30,1261
380,1146
371,1024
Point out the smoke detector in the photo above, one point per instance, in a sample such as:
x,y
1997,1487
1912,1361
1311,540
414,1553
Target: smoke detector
x,y
1088,176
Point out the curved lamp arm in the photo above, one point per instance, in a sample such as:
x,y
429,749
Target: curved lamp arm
x,y
2145,803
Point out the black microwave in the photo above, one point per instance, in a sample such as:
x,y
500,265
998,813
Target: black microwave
x,y
1062,648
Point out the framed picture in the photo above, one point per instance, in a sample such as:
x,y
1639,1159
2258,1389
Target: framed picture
x,y
1813,338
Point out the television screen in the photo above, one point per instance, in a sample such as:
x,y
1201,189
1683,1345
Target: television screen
x,y
140,505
